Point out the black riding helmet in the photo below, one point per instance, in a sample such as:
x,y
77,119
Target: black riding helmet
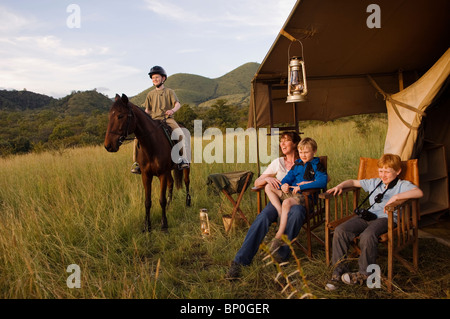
x,y
157,70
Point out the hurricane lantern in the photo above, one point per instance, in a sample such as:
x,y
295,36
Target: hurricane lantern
x,y
297,89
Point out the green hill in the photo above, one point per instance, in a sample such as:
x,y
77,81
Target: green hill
x,y
22,100
197,90
86,102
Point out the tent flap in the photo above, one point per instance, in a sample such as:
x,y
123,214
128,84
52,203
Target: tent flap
x,y
400,138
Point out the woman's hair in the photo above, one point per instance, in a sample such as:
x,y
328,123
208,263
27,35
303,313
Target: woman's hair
x,y
307,141
390,160
295,138
292,136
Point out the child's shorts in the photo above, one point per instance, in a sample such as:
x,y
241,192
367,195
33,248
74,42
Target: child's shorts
x,y
299,197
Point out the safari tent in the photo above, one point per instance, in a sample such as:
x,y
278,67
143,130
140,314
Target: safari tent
x,y
400,65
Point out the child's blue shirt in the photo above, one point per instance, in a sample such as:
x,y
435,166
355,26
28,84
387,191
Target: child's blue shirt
x,y
314,172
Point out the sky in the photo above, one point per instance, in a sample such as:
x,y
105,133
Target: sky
x,y
54,47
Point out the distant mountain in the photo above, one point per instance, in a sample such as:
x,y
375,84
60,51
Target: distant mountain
x,y
197,90
22,100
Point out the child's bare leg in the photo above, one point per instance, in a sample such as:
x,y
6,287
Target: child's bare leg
x,y
285,207
274,197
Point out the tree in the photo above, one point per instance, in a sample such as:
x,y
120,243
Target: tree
x,y
186,116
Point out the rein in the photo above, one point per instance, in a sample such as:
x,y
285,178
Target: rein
x,y
124,137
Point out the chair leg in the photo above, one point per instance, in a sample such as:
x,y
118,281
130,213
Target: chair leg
x,y
236,204
415,218
390,250
327,246
308,238
258,201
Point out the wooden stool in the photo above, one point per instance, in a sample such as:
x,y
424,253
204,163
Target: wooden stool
x,y
229,184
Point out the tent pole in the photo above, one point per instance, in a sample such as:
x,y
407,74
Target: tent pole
x,y
297,129
269,86
255,125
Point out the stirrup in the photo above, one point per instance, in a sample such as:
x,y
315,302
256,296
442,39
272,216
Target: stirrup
x,y
135,169
183,165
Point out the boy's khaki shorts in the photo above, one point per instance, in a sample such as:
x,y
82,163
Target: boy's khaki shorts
x,y
299,197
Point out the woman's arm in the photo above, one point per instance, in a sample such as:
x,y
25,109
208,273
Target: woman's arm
x,y
267,179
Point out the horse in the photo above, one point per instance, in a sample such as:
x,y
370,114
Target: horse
x,y
154,156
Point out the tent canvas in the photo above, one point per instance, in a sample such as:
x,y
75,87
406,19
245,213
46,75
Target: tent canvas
x,y
403,122
346,60
340,50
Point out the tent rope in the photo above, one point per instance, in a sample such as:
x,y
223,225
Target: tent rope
x,y
396,103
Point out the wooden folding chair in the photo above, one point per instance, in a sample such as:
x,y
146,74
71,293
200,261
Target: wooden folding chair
x,y
229,184
405,232
315,212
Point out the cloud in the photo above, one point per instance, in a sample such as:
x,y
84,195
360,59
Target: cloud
x,y
46,65
265,14
13,22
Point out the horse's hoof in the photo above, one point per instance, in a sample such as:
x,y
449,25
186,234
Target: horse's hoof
x,y
165,229
146,230
188,200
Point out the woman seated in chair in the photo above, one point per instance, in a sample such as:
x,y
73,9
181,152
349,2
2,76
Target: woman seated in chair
x,y
273,175
307,173
369,223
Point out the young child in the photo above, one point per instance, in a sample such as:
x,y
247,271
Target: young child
x,y
306,173
383,190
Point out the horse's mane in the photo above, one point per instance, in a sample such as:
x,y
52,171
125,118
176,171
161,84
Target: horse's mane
x,y
141,110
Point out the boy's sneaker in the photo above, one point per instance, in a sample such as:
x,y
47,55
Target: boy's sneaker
x,y
275,244
135,169
352,278
333,284
234,272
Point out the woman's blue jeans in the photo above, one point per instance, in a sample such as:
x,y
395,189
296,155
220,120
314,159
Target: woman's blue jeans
x,y
260,227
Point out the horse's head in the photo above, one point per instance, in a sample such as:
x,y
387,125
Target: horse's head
x,y
121,123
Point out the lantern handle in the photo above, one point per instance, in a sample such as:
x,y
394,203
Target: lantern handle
x,y
289,50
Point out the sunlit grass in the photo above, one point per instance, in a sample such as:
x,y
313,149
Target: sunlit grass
x,y
84,207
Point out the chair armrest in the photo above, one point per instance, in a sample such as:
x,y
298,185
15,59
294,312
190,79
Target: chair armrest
x,y
398,203
344,190
311,191
335,223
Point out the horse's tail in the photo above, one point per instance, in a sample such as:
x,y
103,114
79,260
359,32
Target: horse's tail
x,y
178,177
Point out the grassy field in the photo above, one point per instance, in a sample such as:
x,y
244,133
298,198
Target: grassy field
x,y
84,207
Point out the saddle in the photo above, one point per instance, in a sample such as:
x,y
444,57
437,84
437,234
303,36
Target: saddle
x,y
167,132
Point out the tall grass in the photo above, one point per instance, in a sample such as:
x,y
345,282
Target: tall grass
x,y
84,207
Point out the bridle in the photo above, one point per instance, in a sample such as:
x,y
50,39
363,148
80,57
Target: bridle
x,y
123,137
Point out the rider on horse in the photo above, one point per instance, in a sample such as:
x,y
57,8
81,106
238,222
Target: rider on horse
x,y
161,104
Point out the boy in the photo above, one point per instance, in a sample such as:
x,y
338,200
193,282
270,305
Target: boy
x,y
162,103
383,190
306,173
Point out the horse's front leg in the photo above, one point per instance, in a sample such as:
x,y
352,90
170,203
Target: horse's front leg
x,y
147,181
163,200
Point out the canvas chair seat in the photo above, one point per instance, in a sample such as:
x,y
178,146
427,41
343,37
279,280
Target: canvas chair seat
x,y
232,182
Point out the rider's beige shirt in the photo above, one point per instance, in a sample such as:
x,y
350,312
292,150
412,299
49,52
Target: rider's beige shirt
x,y
158,102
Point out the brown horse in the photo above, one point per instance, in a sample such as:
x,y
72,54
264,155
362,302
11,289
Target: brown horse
x,y
154,156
